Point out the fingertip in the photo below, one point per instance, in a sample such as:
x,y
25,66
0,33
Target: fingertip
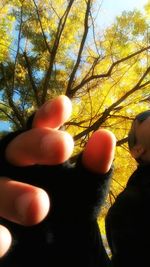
x,y
107,137
68,146
40,146
99,151
5,240
32,207
56,148
54,113
23,203
38,208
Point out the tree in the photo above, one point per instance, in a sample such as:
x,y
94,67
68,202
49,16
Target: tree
x,y
5,25
56,48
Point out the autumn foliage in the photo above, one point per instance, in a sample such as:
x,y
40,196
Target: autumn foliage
x,y
48,48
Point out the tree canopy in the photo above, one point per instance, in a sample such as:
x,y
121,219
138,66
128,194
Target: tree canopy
x,y
53,47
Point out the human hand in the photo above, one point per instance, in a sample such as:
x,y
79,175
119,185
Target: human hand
x,y
34,147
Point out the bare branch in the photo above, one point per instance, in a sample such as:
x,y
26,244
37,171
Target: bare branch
x,y
93,31
75,68
118,183
137,87
34,88
10,118
41,26
54,11
122,141
8,91
59,32
91,69
109,72
106,113
78,124
18,48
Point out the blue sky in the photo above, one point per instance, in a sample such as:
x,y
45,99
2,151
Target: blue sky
x,y
117,6
4,126
112,8
108,11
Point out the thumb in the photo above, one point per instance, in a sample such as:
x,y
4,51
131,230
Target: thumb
x,y
99,151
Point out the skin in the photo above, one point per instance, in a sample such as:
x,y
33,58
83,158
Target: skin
x,y
142,147
46,144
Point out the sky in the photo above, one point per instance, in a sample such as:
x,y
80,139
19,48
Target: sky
x,y
108,11
112,8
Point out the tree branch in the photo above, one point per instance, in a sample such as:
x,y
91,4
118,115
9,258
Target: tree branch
x,y
86,27
8,91
106,113
18,48
60,29
35,89
122,141
10,118
41,26
108,73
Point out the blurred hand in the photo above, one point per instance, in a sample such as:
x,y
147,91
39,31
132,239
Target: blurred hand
x,y
46,144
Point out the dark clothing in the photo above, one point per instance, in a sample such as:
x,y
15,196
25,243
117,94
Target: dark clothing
x,y
69,236
128,222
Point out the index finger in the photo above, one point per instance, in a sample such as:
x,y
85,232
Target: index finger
x,y
53,113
